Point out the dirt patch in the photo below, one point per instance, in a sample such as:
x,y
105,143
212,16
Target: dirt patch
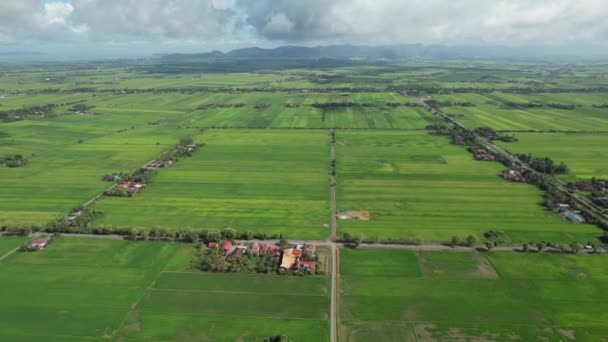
x,y
568,333
362,215
132,322
484,268
424,332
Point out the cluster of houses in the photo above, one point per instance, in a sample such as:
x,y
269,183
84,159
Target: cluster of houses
x,y
132,187
293,257
567,213
155,164
483,155
514,176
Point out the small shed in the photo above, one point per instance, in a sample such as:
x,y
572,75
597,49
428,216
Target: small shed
x,y
212,244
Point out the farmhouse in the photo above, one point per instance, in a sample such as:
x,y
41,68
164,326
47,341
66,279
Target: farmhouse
x,y
514,176
38,245
485,157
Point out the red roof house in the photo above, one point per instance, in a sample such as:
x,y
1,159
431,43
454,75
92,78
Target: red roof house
x,y
38,244
212,244
124,185
264,248
255,249
308,265
227,245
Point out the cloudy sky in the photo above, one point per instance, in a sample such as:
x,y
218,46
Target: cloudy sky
x,y
148,26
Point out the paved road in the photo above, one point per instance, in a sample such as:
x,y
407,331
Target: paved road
x,y
334,294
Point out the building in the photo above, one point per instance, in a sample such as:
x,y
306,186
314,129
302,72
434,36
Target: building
x,y
289,260
574,217
212,244
308,266
237,253
514,176
227,245
38,245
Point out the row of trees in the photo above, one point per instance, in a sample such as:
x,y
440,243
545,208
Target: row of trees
x,y
544,165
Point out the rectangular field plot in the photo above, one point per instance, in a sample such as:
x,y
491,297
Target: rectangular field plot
x,y
302,110
491,110
264,181
417,186
67,157
495,297
219,307
77,289
586,155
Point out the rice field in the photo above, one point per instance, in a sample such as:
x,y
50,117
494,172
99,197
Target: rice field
x,y
81,289
437,296
418,187
584,154
490,111
263,181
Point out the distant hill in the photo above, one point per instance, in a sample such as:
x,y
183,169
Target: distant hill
x,y
388,52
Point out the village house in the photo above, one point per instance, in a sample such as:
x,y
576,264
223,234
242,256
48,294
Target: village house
x,y
74,216
38,245
289,260
514,176
485,157
212,244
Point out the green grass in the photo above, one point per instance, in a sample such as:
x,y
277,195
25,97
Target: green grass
x,y
7,244
273,181
418,186
489,111
67,156
585,154
98,289
536,297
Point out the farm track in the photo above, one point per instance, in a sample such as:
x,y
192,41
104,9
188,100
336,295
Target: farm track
x,y
583,202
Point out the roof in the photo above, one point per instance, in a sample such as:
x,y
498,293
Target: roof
x,y
255,247
265,248
212,244
310,264
297,252
226,245
574,217
237,254
288,259
39,243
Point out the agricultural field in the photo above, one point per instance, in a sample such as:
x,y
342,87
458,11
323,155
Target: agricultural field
x,y
67,156
418,187
489,110
101,289
584,154
264,181
452,295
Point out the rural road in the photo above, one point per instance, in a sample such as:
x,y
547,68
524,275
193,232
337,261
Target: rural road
x,y
334,294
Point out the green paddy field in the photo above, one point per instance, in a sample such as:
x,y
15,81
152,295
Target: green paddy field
x,y
499,296
264,181
417,186
82,289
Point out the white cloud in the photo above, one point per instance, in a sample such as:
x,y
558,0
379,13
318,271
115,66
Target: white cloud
x,y
318,21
